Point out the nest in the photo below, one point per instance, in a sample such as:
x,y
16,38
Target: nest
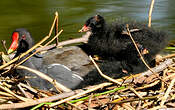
x,y
153,89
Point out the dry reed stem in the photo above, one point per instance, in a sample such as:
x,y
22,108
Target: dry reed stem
x,y
139,105
22,90
127,106
15,95
56,27
44,76
135,92
169,76
167,93
53,24
75,106
83,39
28,87
4,46
162,82
5,94
168,56
150,12
103,75
147,104
80,94
127,27
148,85
158,68
158,108
36,101
55,37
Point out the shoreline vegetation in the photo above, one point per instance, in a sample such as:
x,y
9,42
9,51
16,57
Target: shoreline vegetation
x,y
152,89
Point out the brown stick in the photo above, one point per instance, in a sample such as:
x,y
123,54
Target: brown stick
x,y
80,94
103,75
53,24
37,101
84,39
56,27
167,93
4,45
127,27
15,95
150,12
156,69
56,36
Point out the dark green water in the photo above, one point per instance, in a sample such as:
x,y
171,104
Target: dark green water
x,y
37,15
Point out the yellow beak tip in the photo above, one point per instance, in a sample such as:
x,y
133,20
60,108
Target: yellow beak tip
x,y
10,51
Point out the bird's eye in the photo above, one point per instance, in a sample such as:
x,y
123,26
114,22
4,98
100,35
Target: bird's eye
x,y
24,37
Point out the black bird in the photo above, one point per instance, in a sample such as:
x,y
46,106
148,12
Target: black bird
x,y
119,56
22,41
111,42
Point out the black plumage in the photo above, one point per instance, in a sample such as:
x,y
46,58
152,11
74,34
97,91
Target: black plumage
x,y
116,48
111,42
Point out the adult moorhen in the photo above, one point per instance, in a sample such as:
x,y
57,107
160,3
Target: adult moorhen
x,y
22,41
111,42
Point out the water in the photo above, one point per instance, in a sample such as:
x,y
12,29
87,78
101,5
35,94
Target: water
x,y
37,15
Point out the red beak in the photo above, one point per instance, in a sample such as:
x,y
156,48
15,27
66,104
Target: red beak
x,y
14,45
84,29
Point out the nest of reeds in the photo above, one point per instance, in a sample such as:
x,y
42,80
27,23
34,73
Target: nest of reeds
x,y
153,89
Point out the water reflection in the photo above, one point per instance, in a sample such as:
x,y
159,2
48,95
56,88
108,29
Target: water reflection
x,y
37,15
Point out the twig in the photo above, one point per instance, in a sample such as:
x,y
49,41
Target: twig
x,y
22,90
73,105
80,94
53,24
44,76
158,108
150,12
139,105
127,106
84,39
56,37
4,45
98,94
127,27
15,95
103,75
156,69
56,27
136,93
132,30
168,56
167,93
28,87
135,99
148,85
5,94
37,101
169,76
